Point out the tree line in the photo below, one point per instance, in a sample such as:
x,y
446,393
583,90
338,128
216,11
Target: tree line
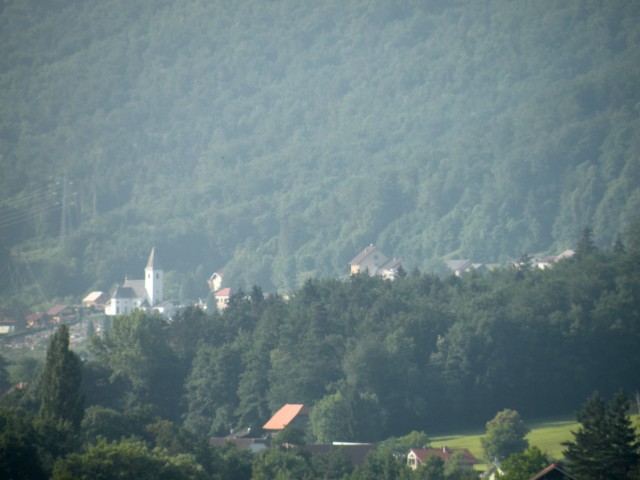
x,y
374,358
277,141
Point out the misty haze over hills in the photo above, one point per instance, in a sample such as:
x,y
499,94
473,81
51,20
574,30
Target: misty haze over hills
x,y
276,139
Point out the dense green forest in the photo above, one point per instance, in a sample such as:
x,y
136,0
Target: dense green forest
x,y
278,138
373,358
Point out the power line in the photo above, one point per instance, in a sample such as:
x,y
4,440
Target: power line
x,y
19,217
33,277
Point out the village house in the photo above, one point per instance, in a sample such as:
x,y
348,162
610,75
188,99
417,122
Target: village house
x,y
95,299
373,261
461,266
290,414
222,298
215,281
60,314
7,321
555,471
417,457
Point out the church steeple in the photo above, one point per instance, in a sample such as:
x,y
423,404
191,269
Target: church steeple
x,y
152,263
153,279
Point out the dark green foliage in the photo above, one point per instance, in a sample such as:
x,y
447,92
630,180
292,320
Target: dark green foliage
x,y
432,469
332,465
20,456
60,397
136,350
524,465
382,466
456,469
372,358
129,459
605,446
505,435
5,381
281,464
347,417
277,141
211,390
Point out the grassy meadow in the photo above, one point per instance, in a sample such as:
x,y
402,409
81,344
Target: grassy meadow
x,y
546,435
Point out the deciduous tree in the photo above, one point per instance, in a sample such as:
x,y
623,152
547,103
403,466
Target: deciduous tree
x,y
523,465
505,435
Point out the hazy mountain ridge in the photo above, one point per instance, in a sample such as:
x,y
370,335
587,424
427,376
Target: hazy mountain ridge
x,y
282,138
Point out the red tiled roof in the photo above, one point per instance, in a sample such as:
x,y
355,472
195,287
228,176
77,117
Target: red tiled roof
x,y
551,468
285,416
57,309
362,255
225,292
444,453
34,317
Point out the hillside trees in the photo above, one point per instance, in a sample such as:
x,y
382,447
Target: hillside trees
x,y
211,390
137,352
372,358
514,152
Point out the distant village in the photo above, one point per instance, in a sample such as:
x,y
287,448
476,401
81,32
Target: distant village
x,y
147,294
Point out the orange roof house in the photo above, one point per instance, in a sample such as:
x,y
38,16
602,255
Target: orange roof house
x,y
291,414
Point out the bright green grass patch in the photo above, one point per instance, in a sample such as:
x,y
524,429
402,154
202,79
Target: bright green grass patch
x,y
547,436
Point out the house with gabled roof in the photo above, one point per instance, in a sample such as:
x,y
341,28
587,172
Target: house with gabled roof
x,y
555,471
215,281
222,298
60,314
373,261
295,414
95,299
417,457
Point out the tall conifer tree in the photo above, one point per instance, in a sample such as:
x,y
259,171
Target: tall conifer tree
x,y
605,445
60,398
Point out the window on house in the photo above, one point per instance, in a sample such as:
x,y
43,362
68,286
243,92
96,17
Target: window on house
x,y
157,276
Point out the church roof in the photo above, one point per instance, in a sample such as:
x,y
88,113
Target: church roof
x,y
125,292
137,286
153,263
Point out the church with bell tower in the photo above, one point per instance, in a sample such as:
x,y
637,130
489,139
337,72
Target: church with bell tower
x,y
146,295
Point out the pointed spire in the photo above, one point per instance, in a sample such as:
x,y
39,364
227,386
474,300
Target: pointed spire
x,y
152,263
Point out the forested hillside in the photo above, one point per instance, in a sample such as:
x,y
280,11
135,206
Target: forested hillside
x,y
372,358
278,138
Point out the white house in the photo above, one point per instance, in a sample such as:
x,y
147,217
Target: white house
x,y
373,261
144,294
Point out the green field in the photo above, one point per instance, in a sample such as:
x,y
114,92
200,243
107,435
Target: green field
x,y
547,436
